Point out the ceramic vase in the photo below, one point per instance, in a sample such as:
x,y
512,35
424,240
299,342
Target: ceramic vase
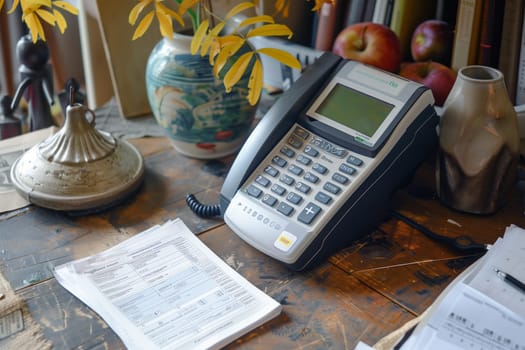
x,y
478,152
201,119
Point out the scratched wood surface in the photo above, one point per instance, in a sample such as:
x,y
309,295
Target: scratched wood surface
x,y
363,292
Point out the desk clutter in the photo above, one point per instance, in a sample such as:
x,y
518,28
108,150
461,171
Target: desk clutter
x,y
483,308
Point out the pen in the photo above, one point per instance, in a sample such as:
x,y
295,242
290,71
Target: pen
x,y
511,280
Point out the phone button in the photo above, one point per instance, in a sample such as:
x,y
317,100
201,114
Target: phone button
x,y
270,170
285,209
323,198
309,213
261,180
269,200
253,191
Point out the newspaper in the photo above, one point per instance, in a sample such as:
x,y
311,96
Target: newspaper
x,y
10,150
164,289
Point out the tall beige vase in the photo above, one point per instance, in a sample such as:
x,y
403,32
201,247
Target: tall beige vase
x,y
478,153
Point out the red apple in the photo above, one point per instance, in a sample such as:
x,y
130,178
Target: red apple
x,y
436,76
432,40
370,43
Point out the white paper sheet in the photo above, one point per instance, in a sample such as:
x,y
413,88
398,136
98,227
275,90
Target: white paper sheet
x,y
164,289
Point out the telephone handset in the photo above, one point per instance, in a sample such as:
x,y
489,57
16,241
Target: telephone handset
x,y
319,169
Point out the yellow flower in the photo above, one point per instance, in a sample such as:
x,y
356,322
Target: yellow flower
x,y
33,11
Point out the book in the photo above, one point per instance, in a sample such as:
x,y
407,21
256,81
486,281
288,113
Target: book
x,y
467,31
165,289
490,37
380,11
388,12
446,10
520,83
510,47
368,14
355,12
406,16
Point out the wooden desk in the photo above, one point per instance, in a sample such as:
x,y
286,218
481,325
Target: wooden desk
x,y
362,293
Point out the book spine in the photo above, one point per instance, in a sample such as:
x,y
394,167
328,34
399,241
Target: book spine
x,y
520,85
510,39
467,33
355,12
380,11
491,26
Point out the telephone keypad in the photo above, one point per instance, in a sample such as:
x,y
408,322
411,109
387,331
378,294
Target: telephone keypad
x,y
330,187
347,169
285,209
309,213
254,191
269,200
303,160
288,152
302,187
279,161
354,161
287,190
294,169
311,151
270,170
323,198
287,180
294,198
311,177
295,142
339,178
321,169
280,190
261,180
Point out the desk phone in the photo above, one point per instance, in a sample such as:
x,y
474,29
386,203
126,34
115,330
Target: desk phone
x,y
319,169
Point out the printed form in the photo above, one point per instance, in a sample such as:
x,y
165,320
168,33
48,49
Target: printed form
x,y
480,310
164,289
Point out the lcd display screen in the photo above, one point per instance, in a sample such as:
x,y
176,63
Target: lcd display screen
x,y
354,109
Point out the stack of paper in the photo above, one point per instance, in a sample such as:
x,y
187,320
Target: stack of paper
x,y
164,289
480,309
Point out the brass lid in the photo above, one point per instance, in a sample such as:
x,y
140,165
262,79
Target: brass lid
x,y
79,168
